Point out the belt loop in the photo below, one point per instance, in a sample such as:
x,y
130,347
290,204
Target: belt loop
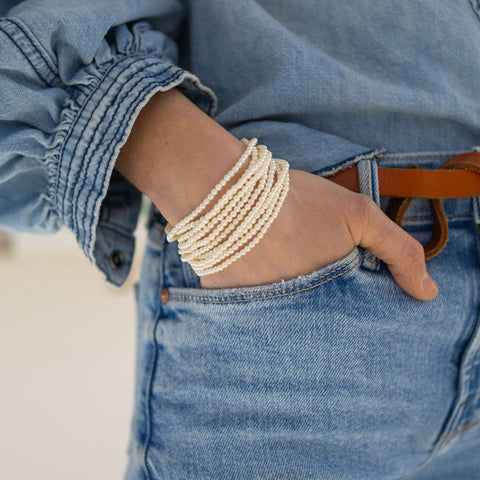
x,y
476,210
476,200
368,182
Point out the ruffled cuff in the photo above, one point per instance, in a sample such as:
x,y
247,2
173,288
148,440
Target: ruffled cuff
x,y
99,208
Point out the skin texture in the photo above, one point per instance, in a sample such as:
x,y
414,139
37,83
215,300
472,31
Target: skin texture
x,y
176,154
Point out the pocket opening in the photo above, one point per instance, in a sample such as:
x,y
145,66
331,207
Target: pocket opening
x,y
342,268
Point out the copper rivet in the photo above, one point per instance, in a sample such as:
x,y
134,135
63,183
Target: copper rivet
x,y
165,295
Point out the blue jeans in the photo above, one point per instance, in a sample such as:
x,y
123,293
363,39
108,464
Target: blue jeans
x,y
337,374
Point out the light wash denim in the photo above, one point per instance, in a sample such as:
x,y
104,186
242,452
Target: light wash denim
x,y
318,82
334,375
337,374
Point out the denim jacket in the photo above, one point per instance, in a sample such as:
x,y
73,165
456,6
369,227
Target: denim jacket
x,y
318,82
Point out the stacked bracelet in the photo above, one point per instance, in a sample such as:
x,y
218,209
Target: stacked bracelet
x,y
243,214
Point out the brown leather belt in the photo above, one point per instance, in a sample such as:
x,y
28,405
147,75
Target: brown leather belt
x,y
458,177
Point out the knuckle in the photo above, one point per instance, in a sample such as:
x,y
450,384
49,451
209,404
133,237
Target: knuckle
x,y
365,206
364,210
412,252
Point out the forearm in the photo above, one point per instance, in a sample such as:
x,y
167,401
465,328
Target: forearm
x,y
176,154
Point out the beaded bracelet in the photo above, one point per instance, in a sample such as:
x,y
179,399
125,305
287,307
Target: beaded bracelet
x,y
245,212
250,220
207,267
234,211
233,199
182,225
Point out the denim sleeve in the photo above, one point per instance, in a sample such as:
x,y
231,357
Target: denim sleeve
x,y
73,77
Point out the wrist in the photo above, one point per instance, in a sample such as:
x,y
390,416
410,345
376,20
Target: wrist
x,y
176,153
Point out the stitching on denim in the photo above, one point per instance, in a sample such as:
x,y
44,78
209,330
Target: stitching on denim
x,y
430,217
45,81
173,77
123,126
273,296
79,114
444,437
414,157
81,136
30,36
148,433
150,86
260,297
77,190
459,215
344,164
90,240
370,183
211,104
148,391
272,289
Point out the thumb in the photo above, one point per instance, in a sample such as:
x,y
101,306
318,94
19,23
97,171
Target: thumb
x,y
373,230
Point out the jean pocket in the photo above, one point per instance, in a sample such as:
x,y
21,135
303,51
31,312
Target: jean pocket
x,y
322,373
340,270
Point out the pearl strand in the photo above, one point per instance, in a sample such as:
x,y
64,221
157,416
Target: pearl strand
x,y
177,229
220,254
245,197
206,267
207,262
205,254
203,225
237,191
267,196
220,233
214,241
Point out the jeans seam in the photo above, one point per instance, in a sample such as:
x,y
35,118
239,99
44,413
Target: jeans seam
x,y
354,262
445,437
148,390
27,58
369,186
413,157
430,217
36,45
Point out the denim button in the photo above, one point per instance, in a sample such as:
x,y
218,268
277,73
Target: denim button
x,y
117,259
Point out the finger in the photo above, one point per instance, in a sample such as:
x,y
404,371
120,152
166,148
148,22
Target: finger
x,y
404,255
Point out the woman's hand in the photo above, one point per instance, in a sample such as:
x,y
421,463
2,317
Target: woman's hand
x,y
319,223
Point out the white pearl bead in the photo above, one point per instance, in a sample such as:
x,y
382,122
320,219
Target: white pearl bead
x,y
237,221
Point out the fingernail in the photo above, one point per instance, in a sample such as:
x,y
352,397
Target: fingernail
x,y
428,285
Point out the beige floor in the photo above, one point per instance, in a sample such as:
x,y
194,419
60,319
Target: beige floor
x,y
67,346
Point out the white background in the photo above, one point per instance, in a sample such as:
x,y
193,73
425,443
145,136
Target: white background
x,y
67,349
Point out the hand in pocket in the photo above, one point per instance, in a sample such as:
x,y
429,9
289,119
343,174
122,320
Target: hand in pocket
x,y
319,223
